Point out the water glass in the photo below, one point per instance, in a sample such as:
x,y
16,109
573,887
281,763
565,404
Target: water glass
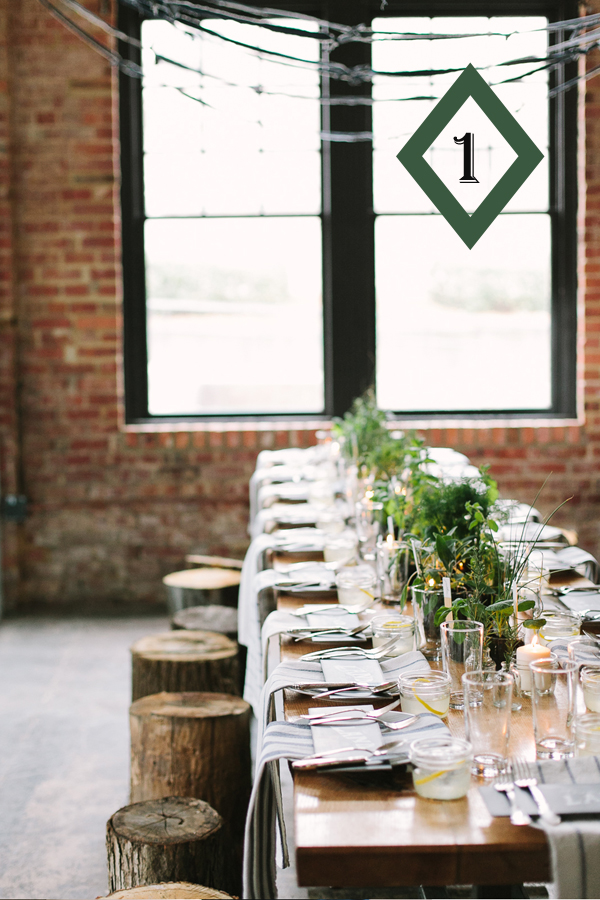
x,y
393,559
584,651
559,626
387,626
441,767
487,708
340,547
553,702
587,734
356,585
462,651
426,692
425,605
369,517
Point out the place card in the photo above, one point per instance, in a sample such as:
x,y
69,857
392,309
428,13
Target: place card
x,y
365,671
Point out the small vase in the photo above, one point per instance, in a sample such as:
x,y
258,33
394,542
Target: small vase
x,y
512,670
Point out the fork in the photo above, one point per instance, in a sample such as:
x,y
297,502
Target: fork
x,y
343,652
300,634
344,719
524,779
517,816
354,714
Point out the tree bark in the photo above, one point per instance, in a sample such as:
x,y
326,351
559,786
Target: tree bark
x,y
195,745
171,839
184,661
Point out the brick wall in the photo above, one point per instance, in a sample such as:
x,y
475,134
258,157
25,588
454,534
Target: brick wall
x,y
113,510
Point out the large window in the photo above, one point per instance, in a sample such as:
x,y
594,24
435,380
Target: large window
x,y
277,261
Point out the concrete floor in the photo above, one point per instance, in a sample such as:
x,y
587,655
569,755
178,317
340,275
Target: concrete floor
x,y
64,750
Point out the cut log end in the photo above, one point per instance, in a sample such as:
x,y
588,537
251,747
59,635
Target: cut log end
x,y
170,820
170,890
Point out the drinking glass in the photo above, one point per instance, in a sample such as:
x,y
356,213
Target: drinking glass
x,y
391,625
369,516
340,547
393,559
356,585
425,605
487,707
553,702
587,734
584,651
462,650
559,626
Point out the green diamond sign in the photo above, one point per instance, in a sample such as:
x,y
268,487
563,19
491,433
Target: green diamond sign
x,y
470,227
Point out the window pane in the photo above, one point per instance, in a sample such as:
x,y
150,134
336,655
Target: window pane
x,y
234,315
458,328
396,117
252,145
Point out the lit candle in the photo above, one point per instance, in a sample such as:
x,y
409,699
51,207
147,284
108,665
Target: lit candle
x,y
532,652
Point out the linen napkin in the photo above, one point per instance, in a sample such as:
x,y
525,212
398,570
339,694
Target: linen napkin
x,y
574,845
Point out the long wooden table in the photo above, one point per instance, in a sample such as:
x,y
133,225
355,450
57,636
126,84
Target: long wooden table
x,y
351,834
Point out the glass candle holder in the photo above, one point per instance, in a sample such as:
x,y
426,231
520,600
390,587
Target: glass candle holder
x,y
442,767
462,651
356,585
558,626
388,626
533,652
340,547
425,605
587,734
393,560
425,693
553,702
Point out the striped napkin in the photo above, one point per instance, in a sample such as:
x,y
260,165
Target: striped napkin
x,y
288,673
574,845
283,740
249,623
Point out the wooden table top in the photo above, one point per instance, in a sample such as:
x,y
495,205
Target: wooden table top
x,y
352,833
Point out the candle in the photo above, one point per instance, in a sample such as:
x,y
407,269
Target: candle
x,y
533,652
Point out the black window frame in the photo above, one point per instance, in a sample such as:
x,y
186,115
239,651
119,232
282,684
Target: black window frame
x,y
348,218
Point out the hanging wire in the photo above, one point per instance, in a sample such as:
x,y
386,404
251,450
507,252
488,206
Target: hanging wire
x,y
331,33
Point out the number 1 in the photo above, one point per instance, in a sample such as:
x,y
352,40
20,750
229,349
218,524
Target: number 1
x,y
468,142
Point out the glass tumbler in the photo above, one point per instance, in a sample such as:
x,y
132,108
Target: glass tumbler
x,y
340,547
393,560
425,605
387,626
441,767
561,626
462,651
553,703
488,705
356,585
587,734
369,517
425,693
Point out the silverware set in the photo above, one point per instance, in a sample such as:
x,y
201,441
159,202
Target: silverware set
x,y
520,776
300,634
350,652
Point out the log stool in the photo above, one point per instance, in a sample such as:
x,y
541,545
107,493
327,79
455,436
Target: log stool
x,y
170,890
214,562
194,745
201,587
184,661
222,619
171,839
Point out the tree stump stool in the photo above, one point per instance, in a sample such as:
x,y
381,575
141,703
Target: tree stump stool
x,y
222,619
202,587
215,562
193,745
184,661
170,890
171,839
